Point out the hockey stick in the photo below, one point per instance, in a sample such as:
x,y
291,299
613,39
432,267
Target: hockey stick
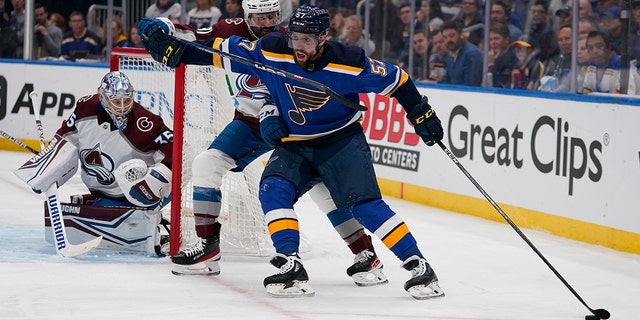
x,y
600,313
63,247
18,142
276,71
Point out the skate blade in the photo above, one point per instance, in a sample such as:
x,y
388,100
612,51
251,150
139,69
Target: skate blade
x,y
423,292
370,278
207,268
299,289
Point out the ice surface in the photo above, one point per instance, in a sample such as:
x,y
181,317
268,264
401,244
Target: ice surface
x,y
485,269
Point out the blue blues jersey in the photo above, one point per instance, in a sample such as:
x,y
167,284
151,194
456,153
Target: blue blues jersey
x,y
307,111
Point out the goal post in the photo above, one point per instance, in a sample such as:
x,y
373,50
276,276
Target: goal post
x,y
196,102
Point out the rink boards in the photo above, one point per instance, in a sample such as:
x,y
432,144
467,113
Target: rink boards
x,y
568,164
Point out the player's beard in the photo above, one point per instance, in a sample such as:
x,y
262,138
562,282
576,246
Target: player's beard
x,y
304,58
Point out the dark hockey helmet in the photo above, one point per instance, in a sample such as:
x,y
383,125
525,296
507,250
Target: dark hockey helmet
x,y
116,97
309,19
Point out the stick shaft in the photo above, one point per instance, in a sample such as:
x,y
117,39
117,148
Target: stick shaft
x,y
274,70
513,225
35,103
18,142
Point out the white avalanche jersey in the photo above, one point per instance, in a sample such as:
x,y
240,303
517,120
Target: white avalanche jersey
x,y
102,147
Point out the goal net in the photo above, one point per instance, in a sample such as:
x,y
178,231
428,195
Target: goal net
x,y
197,101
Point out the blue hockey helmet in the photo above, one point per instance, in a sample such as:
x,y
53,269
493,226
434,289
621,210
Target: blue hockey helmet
x,y
310,19
116,97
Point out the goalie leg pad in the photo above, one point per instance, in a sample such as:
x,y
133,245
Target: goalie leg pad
x,y
124,230
57,163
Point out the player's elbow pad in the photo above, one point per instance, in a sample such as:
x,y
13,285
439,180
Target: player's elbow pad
x,y
57,163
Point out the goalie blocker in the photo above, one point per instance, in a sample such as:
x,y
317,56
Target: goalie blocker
x,y
124,229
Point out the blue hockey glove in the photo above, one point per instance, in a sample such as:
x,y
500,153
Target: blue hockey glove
x,y
146,25
163,48
426,123
271,126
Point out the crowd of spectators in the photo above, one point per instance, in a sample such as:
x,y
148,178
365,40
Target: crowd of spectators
x,y
530,42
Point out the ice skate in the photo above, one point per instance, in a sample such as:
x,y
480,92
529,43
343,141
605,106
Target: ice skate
x,y
291,280
202,259
424,282
367,269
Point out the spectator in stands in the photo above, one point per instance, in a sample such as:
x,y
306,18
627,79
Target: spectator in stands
x,y
464,61
541,32
59,21
501,13
610,21
530,69
386,31
232,9
354,34
203,15
588,24
603,5
420,63
47,37
170,9
430,14
585,9
554,7
450,8
438,58
405,18
501,56
558,67
565,18
471,21
134,40
118,37
8,38
16,24
336,24
79,42
582,58
603,72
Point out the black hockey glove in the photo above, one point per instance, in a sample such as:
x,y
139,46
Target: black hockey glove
x,y
271,126
162,48
426,123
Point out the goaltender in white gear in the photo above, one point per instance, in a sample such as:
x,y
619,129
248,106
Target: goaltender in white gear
x,y
124,154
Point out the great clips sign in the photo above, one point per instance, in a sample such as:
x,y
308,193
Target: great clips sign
x,y
548,143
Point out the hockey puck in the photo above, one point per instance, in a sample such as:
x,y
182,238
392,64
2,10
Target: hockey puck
x,y
591,317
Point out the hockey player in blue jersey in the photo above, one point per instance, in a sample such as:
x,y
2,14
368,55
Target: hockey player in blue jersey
x,y
318,138
239,144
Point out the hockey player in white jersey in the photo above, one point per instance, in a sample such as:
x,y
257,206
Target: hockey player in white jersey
x,y
240,143
124,152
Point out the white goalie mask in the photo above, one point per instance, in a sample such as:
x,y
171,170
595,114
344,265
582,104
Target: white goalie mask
x,y
262,16
116,97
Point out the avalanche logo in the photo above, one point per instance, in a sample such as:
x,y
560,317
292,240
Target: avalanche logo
x,y
304,100
251,88
144,124
98,164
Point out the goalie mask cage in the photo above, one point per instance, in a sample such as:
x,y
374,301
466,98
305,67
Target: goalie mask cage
x,y
203,107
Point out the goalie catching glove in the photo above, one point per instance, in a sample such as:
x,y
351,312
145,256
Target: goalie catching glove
x,y
144,187
155,34
426,123
57,163
271,126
